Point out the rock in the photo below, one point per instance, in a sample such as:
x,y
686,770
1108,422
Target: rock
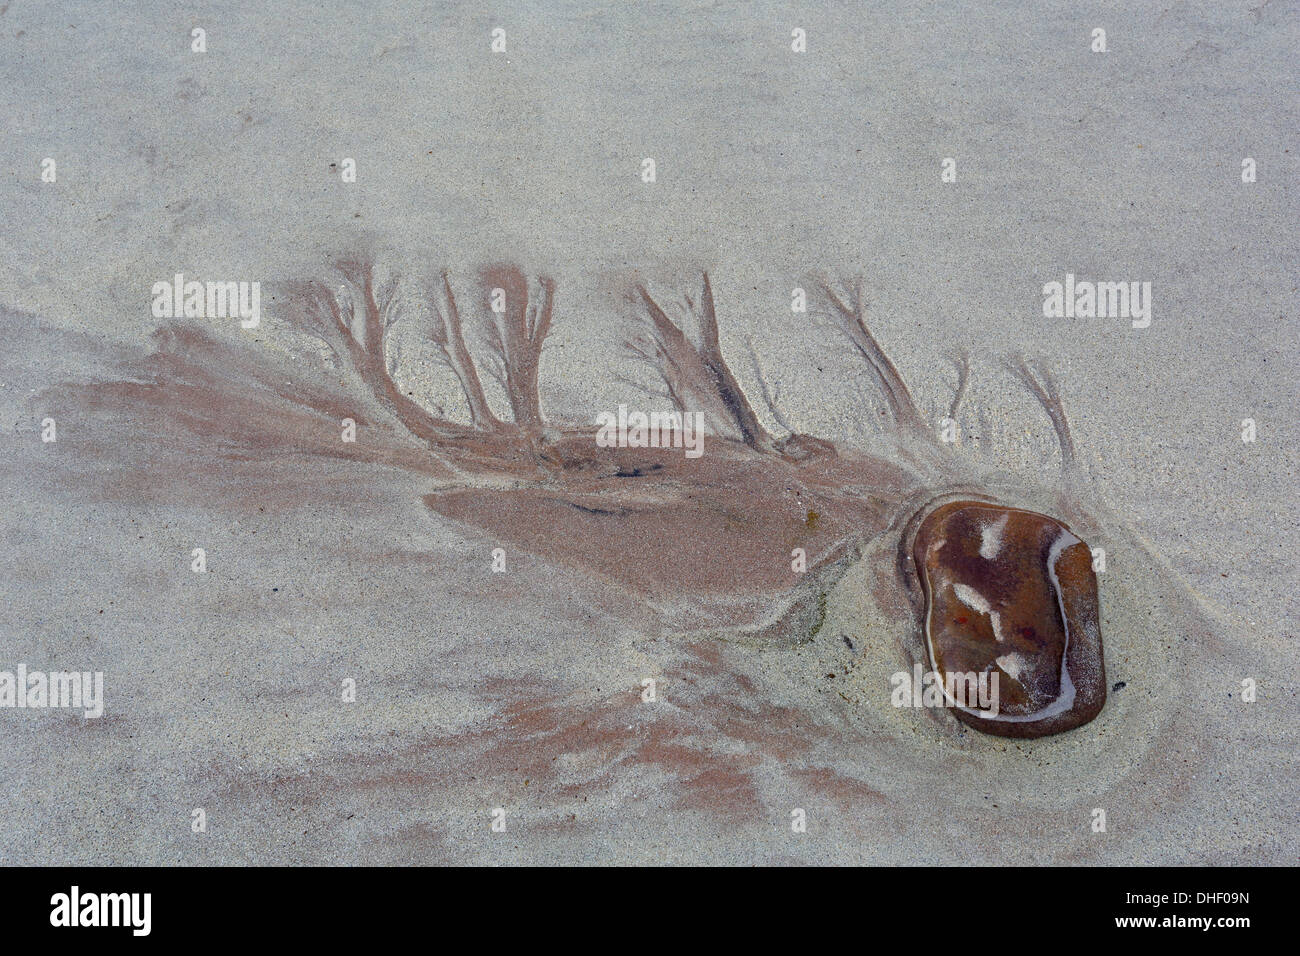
x,y
1011,595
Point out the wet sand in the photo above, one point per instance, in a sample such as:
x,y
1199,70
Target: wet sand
x,y
523,690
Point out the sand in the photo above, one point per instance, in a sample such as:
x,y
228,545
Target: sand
x,y
523,690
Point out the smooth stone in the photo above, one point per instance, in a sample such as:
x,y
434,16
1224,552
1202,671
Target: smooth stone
x,y
1012,593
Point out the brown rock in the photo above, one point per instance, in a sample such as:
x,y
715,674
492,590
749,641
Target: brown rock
x,y
1011,594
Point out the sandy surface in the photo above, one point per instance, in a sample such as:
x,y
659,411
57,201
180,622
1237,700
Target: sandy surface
x,y
522,690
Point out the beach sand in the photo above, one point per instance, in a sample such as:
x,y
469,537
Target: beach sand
x,y
523,690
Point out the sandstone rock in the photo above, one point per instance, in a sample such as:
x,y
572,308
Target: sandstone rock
x,y
1012,595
